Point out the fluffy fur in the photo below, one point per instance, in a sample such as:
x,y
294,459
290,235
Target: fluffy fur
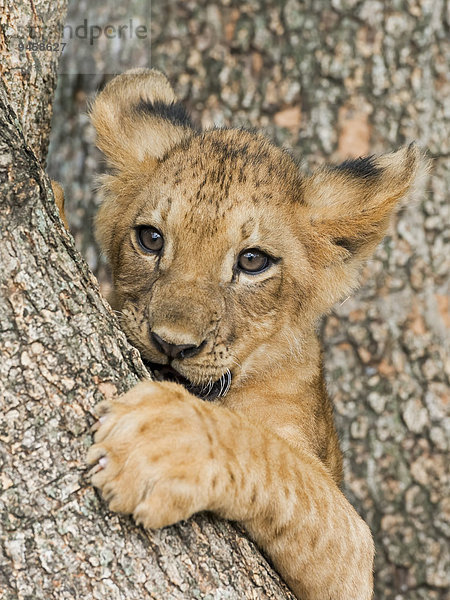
x,y
266,452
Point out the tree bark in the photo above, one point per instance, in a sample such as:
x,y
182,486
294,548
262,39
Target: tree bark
x,y
329,80
62,351
30,76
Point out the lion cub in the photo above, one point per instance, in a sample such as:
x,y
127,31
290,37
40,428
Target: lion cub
x,y
224,256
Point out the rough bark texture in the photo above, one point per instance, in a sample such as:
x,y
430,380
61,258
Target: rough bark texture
x,y
61,352
30,77
331,80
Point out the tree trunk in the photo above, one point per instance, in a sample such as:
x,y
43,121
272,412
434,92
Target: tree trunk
x,y
331,80
62,351
30,76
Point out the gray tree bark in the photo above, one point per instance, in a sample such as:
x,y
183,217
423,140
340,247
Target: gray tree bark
x,y
30,77
61,352
331,79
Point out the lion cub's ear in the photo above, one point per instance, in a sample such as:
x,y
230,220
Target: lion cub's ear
x,y
350,204
138,118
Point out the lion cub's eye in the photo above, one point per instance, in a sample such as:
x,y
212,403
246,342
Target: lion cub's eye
x,y
149,238
253,261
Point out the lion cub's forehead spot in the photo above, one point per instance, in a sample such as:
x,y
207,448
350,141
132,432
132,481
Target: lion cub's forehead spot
x,y
209,234
222,168
234,225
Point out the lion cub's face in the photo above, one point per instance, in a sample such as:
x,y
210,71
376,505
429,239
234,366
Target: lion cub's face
x,y
223,255
209,260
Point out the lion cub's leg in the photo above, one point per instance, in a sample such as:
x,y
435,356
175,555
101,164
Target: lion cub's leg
x,y
162,454
315,538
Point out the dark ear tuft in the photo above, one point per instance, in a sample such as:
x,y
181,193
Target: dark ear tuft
x,y
365,167
350,205
138,119
352,245
174,112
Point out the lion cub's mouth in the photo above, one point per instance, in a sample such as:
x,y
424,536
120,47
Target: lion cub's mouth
x,y
208,391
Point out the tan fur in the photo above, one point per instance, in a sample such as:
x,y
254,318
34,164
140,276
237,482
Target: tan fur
x,y
58,193
266,454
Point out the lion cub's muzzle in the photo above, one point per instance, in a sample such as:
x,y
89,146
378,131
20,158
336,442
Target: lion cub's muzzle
x,y
178,351
211,390
181,329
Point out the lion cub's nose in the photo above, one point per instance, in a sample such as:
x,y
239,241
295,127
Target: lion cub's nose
x,y
175,350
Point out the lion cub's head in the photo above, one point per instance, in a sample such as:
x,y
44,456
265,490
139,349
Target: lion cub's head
x,y
223,254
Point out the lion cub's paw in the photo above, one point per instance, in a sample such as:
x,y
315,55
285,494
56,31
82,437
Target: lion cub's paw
x,y
153,455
